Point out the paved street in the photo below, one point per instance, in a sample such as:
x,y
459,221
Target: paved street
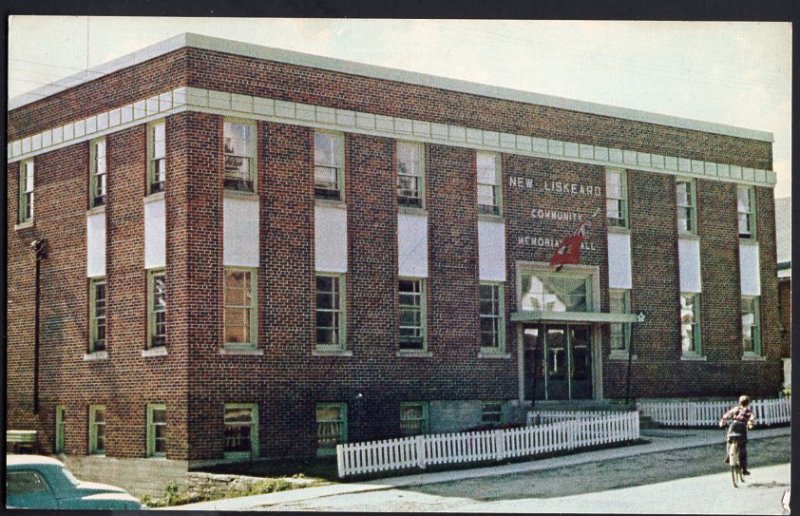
x,y
691,480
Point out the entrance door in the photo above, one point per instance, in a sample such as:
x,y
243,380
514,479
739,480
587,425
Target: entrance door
x,y
558,364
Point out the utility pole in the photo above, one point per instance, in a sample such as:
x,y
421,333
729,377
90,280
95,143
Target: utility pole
x,y
39,250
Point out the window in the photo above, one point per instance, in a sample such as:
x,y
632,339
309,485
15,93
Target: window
x,y
29,484
60,419
556,292
690,324
97,172
240,153
620,303
330,318
331,427
241,429
492,316
489,195
412,314
751,322
745,203
97,430
240,306
156,163
685,197
410,175
492,412
328,165
616,198
26,191
157,309
156,430
414,418
97,314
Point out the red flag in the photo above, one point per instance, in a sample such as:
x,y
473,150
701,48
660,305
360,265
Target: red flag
x,y
570,249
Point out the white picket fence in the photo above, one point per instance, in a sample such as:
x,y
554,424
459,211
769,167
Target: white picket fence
x,y
545,417
495,445
708,413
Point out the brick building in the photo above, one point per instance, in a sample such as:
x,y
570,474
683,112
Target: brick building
x,y
255,252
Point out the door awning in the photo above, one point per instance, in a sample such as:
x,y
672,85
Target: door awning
x,y
583,317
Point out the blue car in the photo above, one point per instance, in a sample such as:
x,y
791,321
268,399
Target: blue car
x,y
38,482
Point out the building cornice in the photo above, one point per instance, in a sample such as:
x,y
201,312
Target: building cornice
x,y
320,117
377,72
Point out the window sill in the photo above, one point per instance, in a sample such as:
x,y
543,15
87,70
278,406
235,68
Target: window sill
x,y
241,351
320,352
98,455
493,353
238,194
239,456
411,210
94,210
330,203
619,229
95,355
621,355
688,236
490,217
23,225
159,351
752,240
157,457
752,357
413,353
154,197
694,358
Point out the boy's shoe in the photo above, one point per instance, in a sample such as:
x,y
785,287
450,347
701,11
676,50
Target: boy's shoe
x,y
745,472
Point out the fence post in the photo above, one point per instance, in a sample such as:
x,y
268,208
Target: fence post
x,y
500,445
340,459
421,451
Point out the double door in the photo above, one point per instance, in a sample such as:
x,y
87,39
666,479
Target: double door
x,y
558,361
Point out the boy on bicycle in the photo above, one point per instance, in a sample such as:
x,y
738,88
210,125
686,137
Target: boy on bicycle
x,y
742,419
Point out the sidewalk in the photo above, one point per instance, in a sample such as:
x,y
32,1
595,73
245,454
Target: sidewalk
x,y
661,440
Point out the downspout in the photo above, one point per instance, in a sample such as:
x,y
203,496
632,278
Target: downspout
x,y
39,249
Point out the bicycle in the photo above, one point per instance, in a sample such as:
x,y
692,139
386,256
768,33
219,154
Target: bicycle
x,y
734,435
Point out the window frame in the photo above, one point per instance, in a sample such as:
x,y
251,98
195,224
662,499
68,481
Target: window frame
x,y
756,327
27,176
625,328
252,158
341,313
93,427
338,165
622,201
423,311
93,317
254,430
425,419
697,337
153,186
499,315
587,276
496,208
750,214
403,200
253,342
98,181
151,308
151,429
485,405
692,206
59,434
325,451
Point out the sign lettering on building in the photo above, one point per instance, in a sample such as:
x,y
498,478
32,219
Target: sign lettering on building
x,y
558,187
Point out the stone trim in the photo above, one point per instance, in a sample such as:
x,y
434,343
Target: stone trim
x,y
319,117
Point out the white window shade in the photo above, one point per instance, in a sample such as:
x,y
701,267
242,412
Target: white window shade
x,y
689,262
412,245
492,250
330,239
619,261
96,245
749,270
155,235
240,233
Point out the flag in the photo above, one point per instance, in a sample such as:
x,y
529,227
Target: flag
x,y
570,249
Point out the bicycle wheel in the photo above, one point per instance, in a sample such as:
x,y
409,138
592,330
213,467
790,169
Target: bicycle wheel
x,y
733,457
